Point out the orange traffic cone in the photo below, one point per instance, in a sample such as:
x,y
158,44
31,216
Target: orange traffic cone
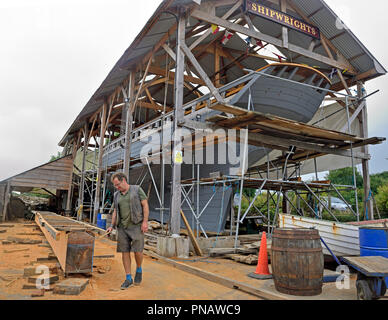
x,y
262,271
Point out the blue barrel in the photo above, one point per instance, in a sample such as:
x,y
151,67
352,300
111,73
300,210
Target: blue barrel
x,y
101,221
374,242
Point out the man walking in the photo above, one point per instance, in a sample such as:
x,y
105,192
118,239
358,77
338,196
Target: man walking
x,y
130,215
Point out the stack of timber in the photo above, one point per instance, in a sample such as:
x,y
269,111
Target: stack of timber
x,y
247,252
72,241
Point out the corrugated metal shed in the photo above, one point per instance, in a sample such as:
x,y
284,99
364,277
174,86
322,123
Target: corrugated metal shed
x,y
317,10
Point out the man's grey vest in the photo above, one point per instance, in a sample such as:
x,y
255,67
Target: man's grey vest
x,y
134,203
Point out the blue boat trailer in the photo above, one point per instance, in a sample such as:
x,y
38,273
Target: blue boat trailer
x,y
371,271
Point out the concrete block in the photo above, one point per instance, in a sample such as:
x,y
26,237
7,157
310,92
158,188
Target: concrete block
x,y
221,242
172,247
182,247
165,247
71,286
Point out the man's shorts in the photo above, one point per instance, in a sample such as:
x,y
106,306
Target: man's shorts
x,y
130,239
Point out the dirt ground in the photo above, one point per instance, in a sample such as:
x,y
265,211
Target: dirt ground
x,y
161,281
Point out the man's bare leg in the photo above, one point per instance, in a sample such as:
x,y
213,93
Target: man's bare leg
x,y
138,258
126,262
139,271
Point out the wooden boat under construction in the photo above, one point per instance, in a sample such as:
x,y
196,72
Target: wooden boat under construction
x,y
289,91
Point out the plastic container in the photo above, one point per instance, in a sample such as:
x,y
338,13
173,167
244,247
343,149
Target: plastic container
x,y
101,221
374,242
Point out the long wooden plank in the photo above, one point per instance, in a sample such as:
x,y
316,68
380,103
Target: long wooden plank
x,y
196,246
227,282
286,124
58,242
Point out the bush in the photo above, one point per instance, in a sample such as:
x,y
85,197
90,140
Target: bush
x,y
382,198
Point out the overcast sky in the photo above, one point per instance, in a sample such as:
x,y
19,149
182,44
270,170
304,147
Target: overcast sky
x,y
54,54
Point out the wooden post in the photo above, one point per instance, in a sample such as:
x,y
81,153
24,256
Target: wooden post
x,y
365,149
6,200
217,65
99,166
178,120
82,187
283,6
129,102
69,191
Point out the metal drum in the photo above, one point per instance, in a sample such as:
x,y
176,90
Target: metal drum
x,y
297,261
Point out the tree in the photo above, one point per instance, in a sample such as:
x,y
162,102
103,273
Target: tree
x,y
377,180
345,177
53,158
382,198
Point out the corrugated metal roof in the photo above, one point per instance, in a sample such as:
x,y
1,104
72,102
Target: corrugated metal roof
x,y
346,42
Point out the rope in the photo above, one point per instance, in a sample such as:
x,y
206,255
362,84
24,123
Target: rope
x,y
366,201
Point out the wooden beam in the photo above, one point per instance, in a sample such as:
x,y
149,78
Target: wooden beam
x,y
226,282
217,62
72,257
7,196
202,73
283,8
196,246
178,121
209,31
129,122
162,72
272,40
326,42
99,166
141,85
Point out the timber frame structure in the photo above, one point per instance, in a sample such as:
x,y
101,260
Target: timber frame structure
x,y
184,61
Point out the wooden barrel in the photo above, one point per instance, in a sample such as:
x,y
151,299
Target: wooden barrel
x,y
297,261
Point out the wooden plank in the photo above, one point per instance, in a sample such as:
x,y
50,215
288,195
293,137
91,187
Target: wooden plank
x,y
283,124
227,282
59,240
370,265
196,246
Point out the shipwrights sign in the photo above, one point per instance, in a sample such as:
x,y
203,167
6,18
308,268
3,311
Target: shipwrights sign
x,y
259,9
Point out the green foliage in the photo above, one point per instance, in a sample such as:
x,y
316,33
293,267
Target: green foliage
x,y
379,187
345,177
260,203
382,198
377,180
53,158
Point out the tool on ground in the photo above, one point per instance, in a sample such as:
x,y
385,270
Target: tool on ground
x,y
104,234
